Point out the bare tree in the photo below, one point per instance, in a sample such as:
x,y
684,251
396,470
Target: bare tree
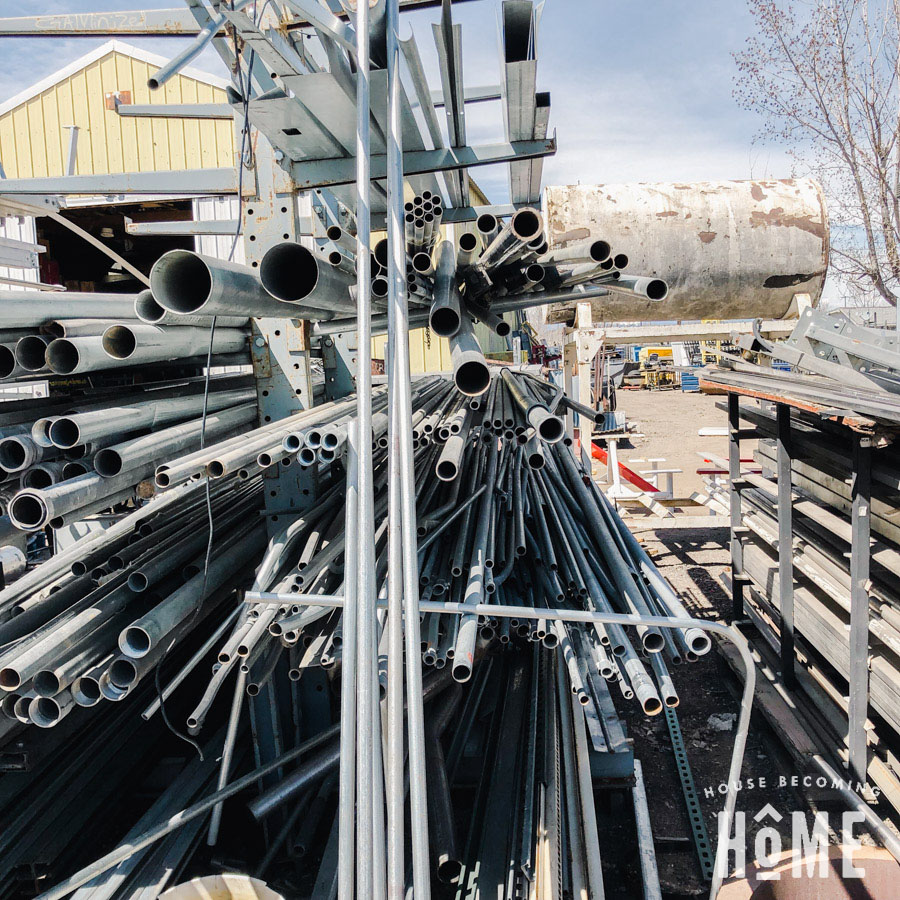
x,y
824,74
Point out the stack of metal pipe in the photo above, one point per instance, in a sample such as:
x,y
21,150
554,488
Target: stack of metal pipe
x,y
504,517
73,333
61,623
68,457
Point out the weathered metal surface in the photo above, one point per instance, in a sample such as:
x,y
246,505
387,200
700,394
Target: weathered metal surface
x,y
727,249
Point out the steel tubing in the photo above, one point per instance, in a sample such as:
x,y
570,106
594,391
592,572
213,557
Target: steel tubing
x,y
82,428
549,428
139,342
187,283
149,311
445,315
639,285
592,250
523,226
510,303
32,509
291,273
88,354
470,371
141,451
9,365
19,309
31,352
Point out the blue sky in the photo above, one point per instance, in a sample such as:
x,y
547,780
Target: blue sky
x,y
639,91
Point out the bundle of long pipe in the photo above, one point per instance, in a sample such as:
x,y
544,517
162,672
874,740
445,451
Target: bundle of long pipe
x,y
61,647
504,515
113,440
499,268
526,530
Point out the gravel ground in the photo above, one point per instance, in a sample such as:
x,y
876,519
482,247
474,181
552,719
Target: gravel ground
x,y
693,561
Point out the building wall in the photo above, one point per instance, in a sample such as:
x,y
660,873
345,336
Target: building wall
x,y
17,228
34,141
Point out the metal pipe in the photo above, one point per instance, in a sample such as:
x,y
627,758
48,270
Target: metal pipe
x,y
86,354
641,286
19,309
350,630
402,468
31,352
148,310
139,342
445,314
9,367
584,251
523,226
291,273
206,34
470,371
549,428
141,451
85,427
447,863
187,283
510,303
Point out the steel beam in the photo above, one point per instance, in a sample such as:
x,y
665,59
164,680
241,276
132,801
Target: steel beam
x,y
176,110
479,94
19,254
189,181
860,549
324,172
785,541
734,487
187,228
163,22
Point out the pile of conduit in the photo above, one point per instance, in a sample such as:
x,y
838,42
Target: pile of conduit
x,y
67,456
72,333
492,270
141,623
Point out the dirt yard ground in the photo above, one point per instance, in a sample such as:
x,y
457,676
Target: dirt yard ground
x,y
667,423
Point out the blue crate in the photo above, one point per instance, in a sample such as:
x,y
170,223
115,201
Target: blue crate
x,y
689,383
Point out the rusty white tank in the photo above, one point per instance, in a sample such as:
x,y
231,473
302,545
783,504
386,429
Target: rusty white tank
x,y
727,249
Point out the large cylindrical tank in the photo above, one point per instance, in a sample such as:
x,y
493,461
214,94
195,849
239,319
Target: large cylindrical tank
x,y
728,249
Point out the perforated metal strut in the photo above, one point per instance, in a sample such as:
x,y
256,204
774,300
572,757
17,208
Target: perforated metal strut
x,y
691,798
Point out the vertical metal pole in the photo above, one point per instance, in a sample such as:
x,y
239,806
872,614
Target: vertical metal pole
x,y
227,752
367,698
649,870
785,541
394,770
347,776
860,490
734,485
401,459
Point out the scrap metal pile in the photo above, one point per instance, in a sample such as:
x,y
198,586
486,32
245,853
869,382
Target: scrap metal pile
x,y
504,516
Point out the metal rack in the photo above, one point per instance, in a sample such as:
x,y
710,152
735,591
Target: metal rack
x,y
805,445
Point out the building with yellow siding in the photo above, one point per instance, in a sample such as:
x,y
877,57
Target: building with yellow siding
x,y
36,125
